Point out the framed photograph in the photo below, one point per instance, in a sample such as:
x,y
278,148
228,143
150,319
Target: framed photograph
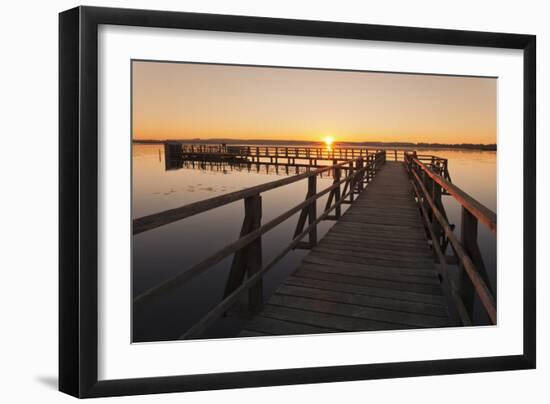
x,y
251,201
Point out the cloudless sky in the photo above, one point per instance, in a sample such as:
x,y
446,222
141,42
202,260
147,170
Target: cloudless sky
x,y
184,101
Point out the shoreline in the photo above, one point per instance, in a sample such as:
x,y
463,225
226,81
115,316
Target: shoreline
x,y
297,143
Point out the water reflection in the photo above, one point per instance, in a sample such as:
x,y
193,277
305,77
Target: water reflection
x,y
163,252
161,182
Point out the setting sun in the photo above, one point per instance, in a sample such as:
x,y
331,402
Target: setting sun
x,y
329,140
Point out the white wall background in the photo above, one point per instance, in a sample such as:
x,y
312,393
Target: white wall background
x,y
28,198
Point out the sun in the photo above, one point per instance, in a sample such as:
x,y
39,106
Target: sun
x,y
329,140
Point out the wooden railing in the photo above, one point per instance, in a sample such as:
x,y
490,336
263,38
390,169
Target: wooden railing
x,y
349,178
258,167
274,153
429,184
289,154
435,163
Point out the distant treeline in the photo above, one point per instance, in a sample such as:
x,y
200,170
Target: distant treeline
x,y
406,145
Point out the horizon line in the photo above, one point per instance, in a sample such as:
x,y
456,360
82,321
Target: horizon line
x,y
305,141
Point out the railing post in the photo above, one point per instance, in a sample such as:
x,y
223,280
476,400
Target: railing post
x,y
370,165
468,239
468,231
351,182
312,210
361,179
248,260
337,174
437,229
309,211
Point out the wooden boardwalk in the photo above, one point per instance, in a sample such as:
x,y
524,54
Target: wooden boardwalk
x,y
373,270
376,267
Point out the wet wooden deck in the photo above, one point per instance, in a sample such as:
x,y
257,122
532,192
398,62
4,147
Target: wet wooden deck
x,y
373,270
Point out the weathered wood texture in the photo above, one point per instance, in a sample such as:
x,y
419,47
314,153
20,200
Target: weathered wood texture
x,y
373,270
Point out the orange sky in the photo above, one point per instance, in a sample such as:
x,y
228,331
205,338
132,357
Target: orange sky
x,y
184,100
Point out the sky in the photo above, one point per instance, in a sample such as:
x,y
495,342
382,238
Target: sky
x,y
186,101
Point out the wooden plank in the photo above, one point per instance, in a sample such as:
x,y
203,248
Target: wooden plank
x,y
398,231
382,219
389,260
404,220
352,310
373,242
374,245
415,257
427,273
369,209
307,290
372,273
338,284
375,283
340,323
393,233
374,238
275,326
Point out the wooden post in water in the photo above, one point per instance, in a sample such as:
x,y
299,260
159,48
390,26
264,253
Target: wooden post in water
x,y
369,168
437,229
248,260
361,177
309,211
312,210
468,231
351,182
468,239
337,174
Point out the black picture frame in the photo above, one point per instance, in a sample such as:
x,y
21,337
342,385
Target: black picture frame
x,y
78,200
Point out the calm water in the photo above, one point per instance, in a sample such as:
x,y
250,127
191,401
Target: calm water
x,y
161,253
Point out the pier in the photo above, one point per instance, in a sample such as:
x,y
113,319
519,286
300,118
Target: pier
x,y
383,265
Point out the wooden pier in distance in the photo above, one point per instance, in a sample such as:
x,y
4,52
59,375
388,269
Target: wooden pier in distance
x,y
383,265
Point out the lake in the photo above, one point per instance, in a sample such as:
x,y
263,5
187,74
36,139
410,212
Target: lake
x,y
163,252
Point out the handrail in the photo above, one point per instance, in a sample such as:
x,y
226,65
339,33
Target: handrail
x,y
450,290
480,286
316,152
480,211
229,249
159,219
429,186
226,303
244,241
